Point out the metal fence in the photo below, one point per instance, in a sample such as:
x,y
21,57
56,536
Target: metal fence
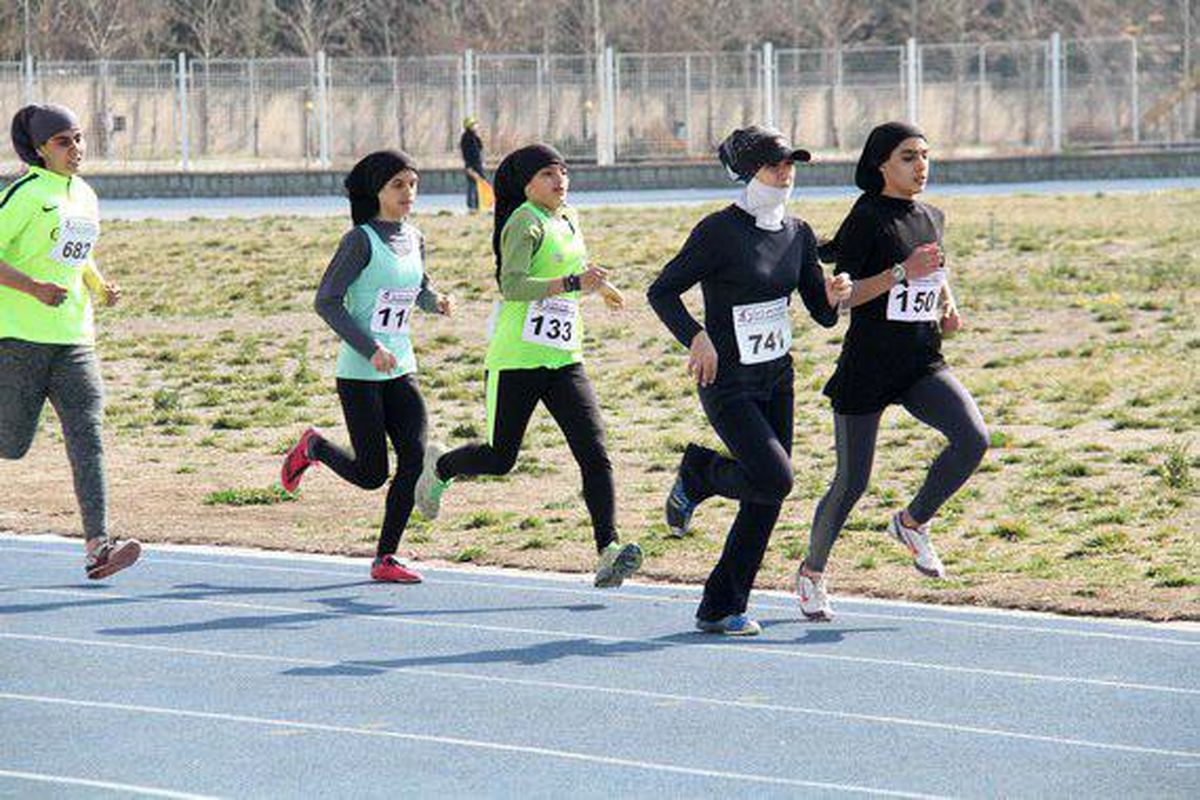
x,y
977,98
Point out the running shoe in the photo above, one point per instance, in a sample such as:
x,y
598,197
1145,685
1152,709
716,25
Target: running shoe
x,y
814,600
925,558
297,461
428,494
617,562
112,557
733,625
387,569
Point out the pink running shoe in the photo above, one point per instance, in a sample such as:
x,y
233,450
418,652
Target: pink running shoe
x,y
388,570
297,461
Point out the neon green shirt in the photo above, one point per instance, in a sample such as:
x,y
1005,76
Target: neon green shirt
x,y
532,330
49,224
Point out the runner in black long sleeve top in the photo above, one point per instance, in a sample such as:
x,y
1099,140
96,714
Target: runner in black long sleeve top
x,y
747,274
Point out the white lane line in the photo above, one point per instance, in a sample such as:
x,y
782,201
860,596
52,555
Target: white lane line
x,y
761,649
66,780
574,688
691,600
478,744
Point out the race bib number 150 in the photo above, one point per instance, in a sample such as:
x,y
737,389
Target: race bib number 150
x,y
919,301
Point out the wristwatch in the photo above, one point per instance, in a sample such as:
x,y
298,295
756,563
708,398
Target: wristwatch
x,y
899,273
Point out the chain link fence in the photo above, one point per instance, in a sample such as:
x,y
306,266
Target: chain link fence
x,y
976,98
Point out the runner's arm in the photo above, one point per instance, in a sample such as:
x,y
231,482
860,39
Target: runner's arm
x,y
352,256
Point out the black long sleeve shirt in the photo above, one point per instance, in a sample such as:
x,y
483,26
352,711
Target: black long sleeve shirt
x,y
881,358
737,263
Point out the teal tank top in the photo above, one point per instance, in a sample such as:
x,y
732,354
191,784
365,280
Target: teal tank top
x,y
382,300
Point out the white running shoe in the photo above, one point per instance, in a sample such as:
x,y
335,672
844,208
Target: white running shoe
x,y
428,492
925,558
814,601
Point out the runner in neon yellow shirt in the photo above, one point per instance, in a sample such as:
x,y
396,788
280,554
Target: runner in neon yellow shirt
x,y
49,224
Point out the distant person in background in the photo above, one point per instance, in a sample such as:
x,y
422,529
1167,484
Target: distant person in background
x,y
49,224
472,153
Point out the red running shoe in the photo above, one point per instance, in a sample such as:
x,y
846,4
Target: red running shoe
x,y
297,460
388,570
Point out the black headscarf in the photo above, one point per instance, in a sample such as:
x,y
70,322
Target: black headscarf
x,y
878,149
34,124
880,144
514,173
370,175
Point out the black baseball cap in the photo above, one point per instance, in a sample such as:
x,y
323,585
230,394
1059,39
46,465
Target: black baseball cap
x,y
747,150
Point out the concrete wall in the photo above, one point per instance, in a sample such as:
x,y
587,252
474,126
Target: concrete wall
x,y
1022,169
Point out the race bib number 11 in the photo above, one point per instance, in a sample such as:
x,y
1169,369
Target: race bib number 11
x,y
393,308
763,330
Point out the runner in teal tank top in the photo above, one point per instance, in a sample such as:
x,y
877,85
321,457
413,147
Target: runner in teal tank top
x,y
535,352
49,225
370,290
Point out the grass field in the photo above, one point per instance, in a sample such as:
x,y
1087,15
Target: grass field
x,y
1082,350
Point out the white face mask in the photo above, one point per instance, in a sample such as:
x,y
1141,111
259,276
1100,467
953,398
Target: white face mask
x,y
766,203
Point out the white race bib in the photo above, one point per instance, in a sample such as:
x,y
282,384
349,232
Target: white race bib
x,y
763,330
919,301
393,308
76,238
552,321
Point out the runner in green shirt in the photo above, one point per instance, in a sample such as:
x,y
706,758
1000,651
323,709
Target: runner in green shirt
x,y
49,224
535,353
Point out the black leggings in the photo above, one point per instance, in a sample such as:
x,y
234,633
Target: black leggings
x,y
568,396
939,401
756,426
375,412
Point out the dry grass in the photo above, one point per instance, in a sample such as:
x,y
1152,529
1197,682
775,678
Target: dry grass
x,y
1081,350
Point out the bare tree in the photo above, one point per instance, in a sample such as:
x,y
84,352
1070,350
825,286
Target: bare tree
x,y
310,26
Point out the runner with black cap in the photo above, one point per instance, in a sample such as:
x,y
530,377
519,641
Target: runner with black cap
x,y
891,244
367,296
748,259
49,225
536,349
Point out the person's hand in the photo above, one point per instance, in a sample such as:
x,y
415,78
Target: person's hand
x,y
838,289
702,359
112,293
952,322
592,278
612,296
49,293
445,305
923,261
383,360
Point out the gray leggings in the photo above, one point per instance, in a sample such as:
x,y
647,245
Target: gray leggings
x,y
69,377
939,401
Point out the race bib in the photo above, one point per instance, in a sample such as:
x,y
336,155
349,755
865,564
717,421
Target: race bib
x,y
919,301
552,321
393,307
76,237
763,330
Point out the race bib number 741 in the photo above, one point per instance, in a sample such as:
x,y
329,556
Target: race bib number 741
x,y
763,330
